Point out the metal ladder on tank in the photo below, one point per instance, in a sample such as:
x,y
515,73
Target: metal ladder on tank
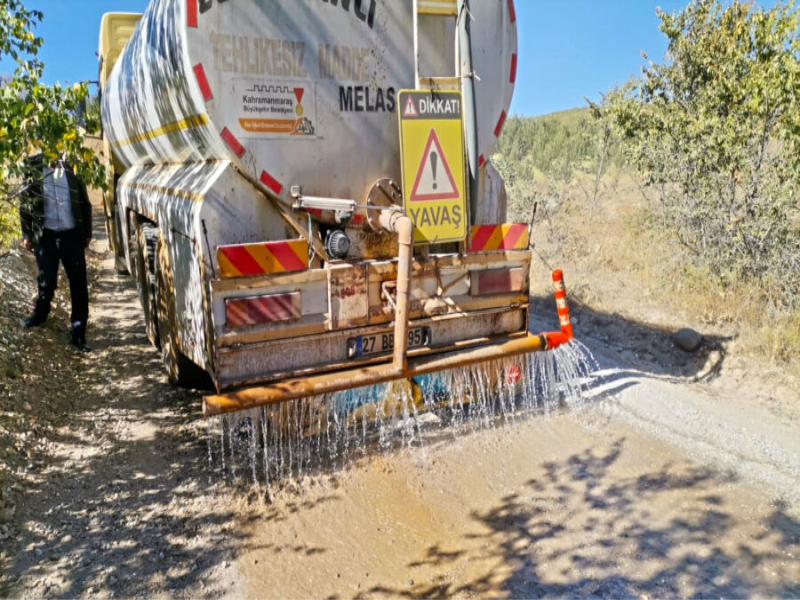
x,y
464,79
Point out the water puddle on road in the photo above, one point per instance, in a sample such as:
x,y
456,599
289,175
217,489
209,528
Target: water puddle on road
x,y
269,447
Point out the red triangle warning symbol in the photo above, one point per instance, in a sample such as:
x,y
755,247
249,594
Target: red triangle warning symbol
x,y
435,179
410,110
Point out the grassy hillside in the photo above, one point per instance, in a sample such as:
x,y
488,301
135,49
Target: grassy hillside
x,y
604,231
541,156
557,144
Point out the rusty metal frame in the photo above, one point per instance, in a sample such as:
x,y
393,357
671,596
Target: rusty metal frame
x,y
309,341
295,388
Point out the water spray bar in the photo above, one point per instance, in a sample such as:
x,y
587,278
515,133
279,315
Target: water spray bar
x,y
402,367
315,385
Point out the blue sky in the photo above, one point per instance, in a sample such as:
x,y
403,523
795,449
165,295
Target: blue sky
x,y
568,48
571,49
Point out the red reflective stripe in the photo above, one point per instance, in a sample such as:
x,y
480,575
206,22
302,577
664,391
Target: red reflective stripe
x,y
494,282
272,183
237,314
242,260
287,257
275,308
481,160
480,238
248,260
191,13
500,282
500,124
202,81
515,232
513,78
267,309
512,13
232,142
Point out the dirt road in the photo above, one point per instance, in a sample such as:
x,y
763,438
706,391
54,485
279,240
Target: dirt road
x,y
657,486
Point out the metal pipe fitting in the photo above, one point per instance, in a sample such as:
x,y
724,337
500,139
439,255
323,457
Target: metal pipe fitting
x,y
395,221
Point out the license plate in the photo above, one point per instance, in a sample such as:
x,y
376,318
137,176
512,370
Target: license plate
x,y
383,343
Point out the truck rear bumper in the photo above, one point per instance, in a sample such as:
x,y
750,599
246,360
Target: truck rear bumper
x,y
249,364
313,385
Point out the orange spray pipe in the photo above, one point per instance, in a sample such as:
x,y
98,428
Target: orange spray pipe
x,y
561,303
555,339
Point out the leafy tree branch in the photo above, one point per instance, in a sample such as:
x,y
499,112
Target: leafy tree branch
x,y
716,129
36,118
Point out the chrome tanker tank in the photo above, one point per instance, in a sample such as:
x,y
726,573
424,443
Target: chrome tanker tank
x,y
294,92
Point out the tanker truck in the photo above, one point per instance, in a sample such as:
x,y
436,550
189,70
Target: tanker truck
x,y
301,190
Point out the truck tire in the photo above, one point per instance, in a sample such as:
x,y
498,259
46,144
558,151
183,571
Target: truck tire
x,y
146,238
115,244
137,261
109,222
182,372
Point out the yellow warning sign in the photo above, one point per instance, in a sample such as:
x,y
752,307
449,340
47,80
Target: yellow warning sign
x,y
434,175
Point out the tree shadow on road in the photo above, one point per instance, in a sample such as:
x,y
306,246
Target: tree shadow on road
x,y
587,527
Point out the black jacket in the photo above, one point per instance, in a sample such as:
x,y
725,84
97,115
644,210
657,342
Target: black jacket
x,y
31,209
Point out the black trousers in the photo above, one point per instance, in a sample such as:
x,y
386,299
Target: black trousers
x,y
68,248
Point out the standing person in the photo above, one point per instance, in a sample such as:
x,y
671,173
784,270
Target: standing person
x,y
56,219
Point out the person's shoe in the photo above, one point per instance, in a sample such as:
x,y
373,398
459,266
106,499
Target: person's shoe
x,y
34,321
79,343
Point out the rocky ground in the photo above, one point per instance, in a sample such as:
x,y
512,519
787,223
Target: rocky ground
x,y
678,476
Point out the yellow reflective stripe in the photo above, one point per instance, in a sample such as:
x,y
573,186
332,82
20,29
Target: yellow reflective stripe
x,y
496,239
184,194
190,123
300,248
265,258
226,267
263,255
448,8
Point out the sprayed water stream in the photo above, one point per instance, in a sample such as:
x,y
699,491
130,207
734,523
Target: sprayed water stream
x,y
288,443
